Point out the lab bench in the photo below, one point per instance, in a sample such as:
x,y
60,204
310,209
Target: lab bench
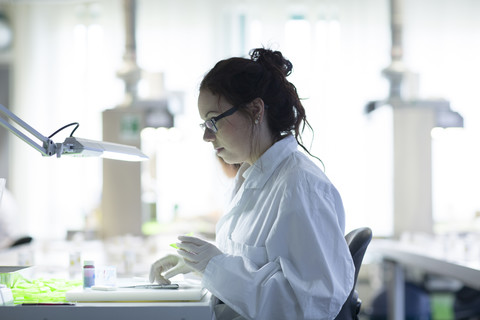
x,y
198,310
398,256
51,261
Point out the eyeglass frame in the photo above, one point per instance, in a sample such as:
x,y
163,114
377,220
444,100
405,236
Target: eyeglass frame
x,y
210,124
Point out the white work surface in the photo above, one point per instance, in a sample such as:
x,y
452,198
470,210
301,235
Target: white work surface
x,y
130,295
187,291
398,256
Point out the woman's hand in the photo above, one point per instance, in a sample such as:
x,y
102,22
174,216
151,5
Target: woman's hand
x,y
170,266
196,253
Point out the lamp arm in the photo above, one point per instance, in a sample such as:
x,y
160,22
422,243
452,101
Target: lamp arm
x,y
47,149
71,146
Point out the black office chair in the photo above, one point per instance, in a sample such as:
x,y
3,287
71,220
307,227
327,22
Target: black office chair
x,y
21,241
358,241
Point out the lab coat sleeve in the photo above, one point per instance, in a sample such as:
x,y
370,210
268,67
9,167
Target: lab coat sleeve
x,y
309,273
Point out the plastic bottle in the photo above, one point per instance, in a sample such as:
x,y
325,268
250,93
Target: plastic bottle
x,y
88,274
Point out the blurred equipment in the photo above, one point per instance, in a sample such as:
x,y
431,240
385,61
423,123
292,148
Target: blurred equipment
x,y
413,120
71,146
8,213
9,275
6,33
2,187
5,89
6,296
417,304
122,187
467,303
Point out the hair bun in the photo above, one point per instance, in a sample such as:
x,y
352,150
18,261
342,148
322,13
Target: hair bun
x,y
270,58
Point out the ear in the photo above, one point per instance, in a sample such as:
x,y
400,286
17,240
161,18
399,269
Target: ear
x,y
257,108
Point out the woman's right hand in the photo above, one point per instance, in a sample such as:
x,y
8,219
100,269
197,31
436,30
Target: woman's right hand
x,y
166,268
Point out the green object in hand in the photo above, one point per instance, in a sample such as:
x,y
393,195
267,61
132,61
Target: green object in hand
x,y
174,245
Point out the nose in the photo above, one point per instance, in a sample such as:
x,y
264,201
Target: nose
x,y
208,135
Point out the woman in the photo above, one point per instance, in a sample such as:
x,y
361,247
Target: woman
x,y
281,251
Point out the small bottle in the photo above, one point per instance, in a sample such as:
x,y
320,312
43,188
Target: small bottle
x,y
88,274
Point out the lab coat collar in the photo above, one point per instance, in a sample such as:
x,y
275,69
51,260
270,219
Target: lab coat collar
x,y
257,175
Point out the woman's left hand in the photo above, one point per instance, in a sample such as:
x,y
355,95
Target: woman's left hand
x,y
196,252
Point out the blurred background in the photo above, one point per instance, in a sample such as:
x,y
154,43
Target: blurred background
x,y
67,61
60,62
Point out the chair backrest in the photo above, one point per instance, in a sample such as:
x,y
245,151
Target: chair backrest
x,y
358,241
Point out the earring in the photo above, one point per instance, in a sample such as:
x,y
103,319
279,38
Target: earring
x,y
257,120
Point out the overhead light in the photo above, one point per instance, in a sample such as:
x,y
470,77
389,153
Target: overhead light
x,y
72,146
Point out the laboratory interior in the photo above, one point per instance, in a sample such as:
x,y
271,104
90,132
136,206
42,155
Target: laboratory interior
x,y
390,88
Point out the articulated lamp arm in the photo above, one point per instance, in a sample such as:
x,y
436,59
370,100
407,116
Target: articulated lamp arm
x,y
47,148
71,146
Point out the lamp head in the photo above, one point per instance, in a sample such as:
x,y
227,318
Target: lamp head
x,y
79,147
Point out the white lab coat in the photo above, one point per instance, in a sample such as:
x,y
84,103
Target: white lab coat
x,y
285,256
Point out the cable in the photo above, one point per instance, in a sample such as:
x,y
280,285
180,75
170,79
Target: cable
x,y
64,127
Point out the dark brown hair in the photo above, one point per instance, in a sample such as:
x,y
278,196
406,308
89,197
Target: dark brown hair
x,y
264,75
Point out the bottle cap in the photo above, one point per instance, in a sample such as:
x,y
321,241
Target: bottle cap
x,y
88,263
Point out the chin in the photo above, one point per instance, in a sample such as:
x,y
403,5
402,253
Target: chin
x,y
229,160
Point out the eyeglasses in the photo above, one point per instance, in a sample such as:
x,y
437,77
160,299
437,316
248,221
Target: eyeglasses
x,y
210,124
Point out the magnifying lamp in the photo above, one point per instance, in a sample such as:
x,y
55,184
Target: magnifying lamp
x,y
72,146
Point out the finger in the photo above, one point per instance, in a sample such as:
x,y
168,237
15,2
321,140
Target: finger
x,y
162,280
194,240
192,257
158,265
179,269
155,269
151,276
189,247
191,264
170,274
161,265
196,248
